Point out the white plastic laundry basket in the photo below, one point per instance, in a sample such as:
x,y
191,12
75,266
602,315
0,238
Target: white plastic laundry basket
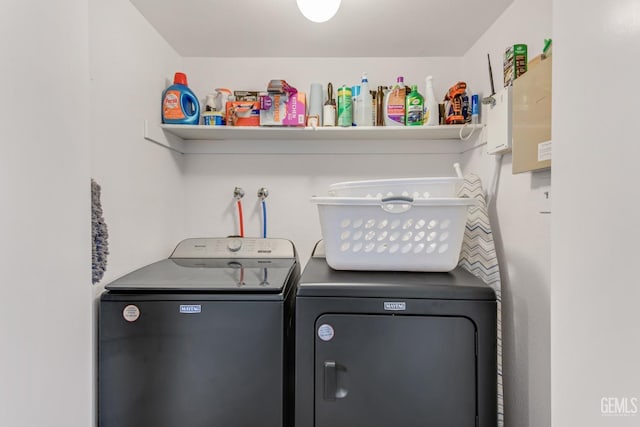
x,y
392,234
416,188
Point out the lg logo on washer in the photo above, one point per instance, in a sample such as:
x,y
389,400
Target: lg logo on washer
x,y
395,306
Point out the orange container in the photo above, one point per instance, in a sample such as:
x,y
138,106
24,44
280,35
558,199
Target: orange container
x,y
243,113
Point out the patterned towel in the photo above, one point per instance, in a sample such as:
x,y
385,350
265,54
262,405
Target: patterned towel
x,y
99,236
478,256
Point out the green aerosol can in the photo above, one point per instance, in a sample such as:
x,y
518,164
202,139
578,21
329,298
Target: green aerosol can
x,y
345,106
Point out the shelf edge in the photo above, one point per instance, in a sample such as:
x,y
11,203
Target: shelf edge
x,y
412,142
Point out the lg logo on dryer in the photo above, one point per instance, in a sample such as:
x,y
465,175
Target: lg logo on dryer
x,y
395,306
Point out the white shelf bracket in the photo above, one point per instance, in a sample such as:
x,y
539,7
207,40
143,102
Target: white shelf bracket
x,y
154,133
476,140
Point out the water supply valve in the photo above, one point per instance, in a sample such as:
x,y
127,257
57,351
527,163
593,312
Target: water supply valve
x,y
238,193
263,193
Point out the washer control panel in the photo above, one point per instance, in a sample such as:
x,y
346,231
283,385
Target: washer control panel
x,y
234,247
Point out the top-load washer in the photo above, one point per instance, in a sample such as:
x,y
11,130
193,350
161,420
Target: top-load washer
x,y
201,339
381,349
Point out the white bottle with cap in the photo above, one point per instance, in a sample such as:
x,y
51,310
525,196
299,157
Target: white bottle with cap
x,y
364,109
432,111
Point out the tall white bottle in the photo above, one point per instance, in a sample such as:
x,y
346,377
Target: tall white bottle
x,y
364,110
431,109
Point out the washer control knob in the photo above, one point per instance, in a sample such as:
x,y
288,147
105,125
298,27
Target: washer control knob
x,y
234,245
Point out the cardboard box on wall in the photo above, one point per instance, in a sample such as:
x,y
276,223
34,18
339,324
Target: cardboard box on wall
x,y
534,62
532,119
278,109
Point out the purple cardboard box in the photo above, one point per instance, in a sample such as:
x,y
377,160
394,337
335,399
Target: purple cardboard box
x,y
282,110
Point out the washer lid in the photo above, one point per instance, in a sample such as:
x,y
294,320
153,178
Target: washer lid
x,y
221,264
201,274
318,279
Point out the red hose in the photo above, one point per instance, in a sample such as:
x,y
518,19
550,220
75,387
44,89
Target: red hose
x,y
240,218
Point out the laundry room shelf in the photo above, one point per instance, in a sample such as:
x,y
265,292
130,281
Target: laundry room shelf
x,y
190,139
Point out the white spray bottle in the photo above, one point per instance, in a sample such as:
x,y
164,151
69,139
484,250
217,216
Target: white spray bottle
x,y
364,110
431,109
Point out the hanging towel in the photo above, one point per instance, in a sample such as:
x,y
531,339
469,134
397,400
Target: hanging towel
x,y
478,256
99,236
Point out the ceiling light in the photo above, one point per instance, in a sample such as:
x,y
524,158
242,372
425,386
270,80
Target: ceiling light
x,y
318,10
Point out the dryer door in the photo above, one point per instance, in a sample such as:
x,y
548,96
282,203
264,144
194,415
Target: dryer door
x,y
385,370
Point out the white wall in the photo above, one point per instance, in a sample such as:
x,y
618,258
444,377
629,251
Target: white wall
x,y
291,181
595,294
141,182
292,178
522,233
142,197
45,252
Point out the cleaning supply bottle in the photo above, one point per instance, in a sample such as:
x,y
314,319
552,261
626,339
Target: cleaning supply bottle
x,y
475,109
355,100
345,106
394,105
210,103
179,104
364,106
431,108
414,107
374,117
380,98
223,95
329,111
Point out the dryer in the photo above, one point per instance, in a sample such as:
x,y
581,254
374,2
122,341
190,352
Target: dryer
x,y
381,349
203,338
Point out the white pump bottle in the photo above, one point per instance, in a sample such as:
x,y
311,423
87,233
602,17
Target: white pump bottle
x,y
364,109
432,111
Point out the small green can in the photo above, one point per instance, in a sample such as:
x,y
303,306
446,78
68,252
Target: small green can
x,y
345,106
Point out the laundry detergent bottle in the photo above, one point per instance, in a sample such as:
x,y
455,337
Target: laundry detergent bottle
x,y
395,104
179,104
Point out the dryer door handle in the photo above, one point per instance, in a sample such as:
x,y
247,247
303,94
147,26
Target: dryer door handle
x,y
330,380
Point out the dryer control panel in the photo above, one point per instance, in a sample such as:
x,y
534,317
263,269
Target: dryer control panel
x,y
234,247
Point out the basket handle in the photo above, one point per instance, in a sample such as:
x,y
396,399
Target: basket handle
x,y
396,204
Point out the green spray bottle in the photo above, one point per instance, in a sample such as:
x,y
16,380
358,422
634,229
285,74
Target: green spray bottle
x,y
414,108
